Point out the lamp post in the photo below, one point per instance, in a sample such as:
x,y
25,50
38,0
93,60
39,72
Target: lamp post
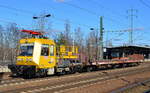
x,y
100,41
96,44
41,21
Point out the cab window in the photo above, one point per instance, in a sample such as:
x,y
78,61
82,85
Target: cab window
x,y
51,50
26,49
45,50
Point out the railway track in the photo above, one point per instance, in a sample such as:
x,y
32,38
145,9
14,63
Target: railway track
x,y
6,82
57,84
58,88
138,87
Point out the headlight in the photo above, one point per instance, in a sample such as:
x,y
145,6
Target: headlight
x,y
19,59
29,59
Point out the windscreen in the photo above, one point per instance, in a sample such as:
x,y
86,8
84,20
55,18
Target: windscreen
x,y
26,49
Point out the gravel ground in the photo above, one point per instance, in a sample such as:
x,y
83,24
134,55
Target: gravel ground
x,y
94,87
142,88
110,85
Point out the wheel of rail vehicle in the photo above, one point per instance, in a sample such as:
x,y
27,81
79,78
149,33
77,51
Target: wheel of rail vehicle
x,y
89,69
72,70
41,73
28,74
124,65
63,72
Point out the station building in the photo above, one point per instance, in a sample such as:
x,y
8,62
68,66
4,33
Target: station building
x,y
124,51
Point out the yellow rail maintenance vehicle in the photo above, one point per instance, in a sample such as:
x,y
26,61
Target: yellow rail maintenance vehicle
x,y
39,56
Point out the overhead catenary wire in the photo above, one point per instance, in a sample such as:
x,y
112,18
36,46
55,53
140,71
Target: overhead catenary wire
x,y
113,12
108,9
90,12
60,19
15,9
21,26
64,20
32,13
145,4
93,13
11,22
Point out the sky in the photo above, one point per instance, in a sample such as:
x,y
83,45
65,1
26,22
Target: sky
x,y
84,14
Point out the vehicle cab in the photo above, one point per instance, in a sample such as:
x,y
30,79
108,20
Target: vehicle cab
x,y
37,56
37,52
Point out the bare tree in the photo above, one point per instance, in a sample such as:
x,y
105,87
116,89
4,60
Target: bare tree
x,y
11,37
67,32
64,38
92,45
1,42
